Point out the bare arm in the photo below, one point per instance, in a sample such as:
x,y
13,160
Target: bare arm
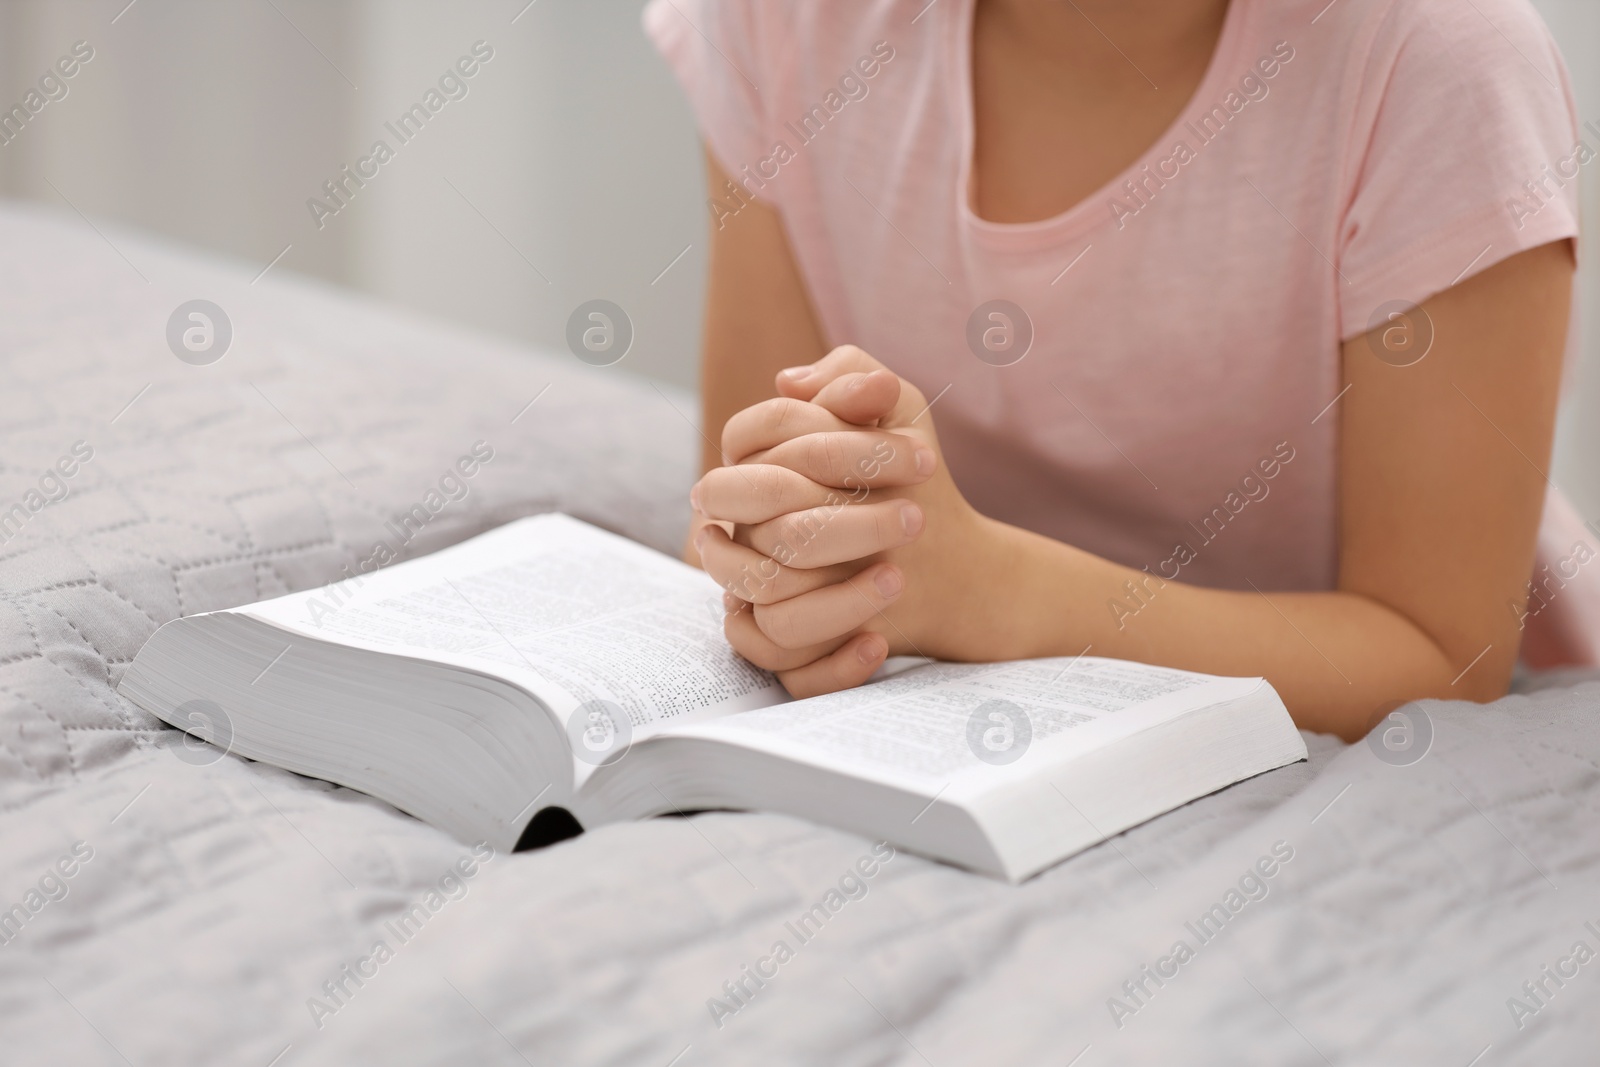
x,y
1441,482
758,318
1441,478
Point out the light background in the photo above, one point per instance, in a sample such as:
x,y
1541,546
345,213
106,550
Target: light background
x,y
573,156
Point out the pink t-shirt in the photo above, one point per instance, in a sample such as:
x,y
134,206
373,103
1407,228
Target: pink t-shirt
x,y
1182,325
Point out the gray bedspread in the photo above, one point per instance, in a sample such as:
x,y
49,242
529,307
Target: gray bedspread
x,y
169,906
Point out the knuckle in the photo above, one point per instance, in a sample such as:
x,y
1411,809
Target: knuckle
x,y
814,452
772,490
777,412
787,529
778,623
798,532
781,553
835,454
740,584
760,592
751,644
761,587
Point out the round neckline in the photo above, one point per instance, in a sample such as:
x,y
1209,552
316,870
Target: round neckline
x,y
1081,216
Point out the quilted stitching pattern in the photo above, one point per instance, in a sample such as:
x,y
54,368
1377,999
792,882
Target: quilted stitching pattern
x,y
264,473
222,898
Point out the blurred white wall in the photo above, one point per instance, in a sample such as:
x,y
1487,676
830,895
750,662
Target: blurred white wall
x,y
214,120
572,156
1576,27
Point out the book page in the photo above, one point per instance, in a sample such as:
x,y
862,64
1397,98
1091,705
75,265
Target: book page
x,y
571,612
935,724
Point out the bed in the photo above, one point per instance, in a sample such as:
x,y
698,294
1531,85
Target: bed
x,y
1434,903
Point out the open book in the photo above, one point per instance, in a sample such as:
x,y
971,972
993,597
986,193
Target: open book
x,y
548,671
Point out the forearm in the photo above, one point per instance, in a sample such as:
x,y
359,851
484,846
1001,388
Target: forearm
x,y
758,320
1336,658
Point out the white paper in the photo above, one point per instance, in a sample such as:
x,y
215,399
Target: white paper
x,y
585,614
914,728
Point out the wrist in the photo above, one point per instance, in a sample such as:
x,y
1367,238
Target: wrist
x,y
1020,596
973,618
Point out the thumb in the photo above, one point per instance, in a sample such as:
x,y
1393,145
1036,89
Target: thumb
x,y
864,399
804,382
855,387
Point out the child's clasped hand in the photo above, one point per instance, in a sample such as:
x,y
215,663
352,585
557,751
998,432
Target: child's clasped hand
x,y
850,541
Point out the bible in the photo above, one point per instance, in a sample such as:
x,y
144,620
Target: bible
x,y
548,676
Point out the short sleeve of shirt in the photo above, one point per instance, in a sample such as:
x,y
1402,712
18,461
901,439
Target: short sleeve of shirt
x,y
714,50
1467,152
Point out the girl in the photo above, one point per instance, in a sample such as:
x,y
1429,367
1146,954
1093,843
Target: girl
x,y
1241,321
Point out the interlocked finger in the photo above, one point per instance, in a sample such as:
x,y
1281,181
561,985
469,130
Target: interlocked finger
x,y
850,459
820,537
748,640
759,492
772,422
832,611
757,578
851,664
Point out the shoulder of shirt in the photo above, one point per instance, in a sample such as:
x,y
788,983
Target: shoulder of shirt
x,y
802,43
1429,24
812,26
812,16
796,26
